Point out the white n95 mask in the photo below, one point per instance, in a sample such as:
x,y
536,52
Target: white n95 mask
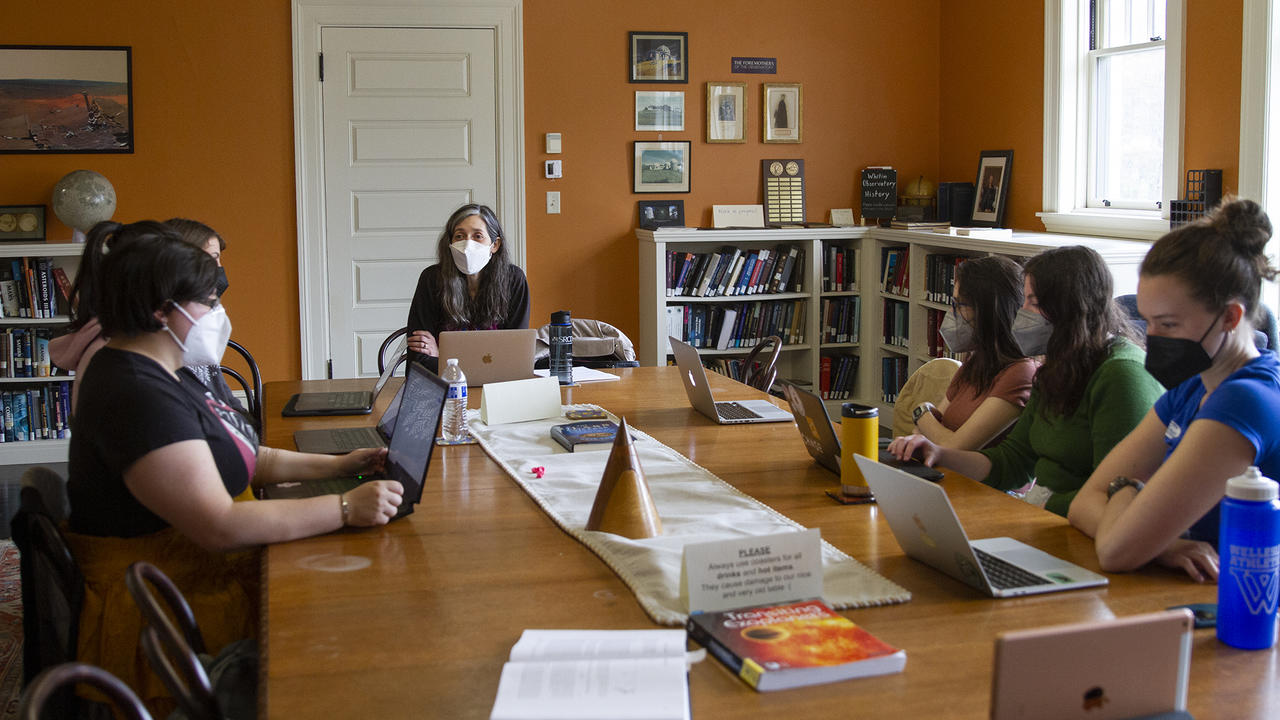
x,y
470,256
207,339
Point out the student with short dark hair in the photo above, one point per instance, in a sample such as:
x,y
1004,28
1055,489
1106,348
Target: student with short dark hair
x,y
1156,495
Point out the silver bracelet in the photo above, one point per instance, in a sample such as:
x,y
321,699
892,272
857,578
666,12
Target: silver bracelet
x,y
346,508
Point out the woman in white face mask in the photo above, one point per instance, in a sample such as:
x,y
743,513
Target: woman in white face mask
x,y
1088,394
473,287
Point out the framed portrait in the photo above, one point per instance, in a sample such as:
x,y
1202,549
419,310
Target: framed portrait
x,y
658,57
661,213
726,112
662,167
995,168
783,113
659,110
66,99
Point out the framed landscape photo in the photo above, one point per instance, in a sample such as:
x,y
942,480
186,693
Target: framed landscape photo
x,y
662,167
992,188
66,99
726,112
783,113
659,110
658,57
661,213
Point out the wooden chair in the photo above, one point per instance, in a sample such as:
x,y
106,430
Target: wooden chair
x,y
39,701
52,588
762,377
252,386
387,345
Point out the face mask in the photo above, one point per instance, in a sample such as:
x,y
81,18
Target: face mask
x,y
1173,361
470,256
957,333
220,284
207,339
1032,331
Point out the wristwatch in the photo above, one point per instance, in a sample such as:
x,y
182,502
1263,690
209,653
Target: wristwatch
x,y
1123,482
920,410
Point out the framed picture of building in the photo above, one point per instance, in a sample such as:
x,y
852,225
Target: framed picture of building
x,y
66,99
658,57
659,110
662,167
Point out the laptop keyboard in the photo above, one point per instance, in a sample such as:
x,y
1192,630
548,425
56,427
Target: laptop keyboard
x,y
350,439
734,411
1004,575
332,486
354,398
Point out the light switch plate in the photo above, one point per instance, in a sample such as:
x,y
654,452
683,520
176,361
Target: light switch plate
x,y
553,202
553,143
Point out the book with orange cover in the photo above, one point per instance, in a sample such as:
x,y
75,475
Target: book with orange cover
x,y
775,647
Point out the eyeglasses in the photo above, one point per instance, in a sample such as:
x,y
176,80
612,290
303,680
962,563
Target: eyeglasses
x,y
956,304
210,303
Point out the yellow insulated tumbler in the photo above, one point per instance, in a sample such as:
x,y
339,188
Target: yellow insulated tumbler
x,y
858,434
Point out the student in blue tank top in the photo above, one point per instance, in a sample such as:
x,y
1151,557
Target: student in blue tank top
x,y
1156,494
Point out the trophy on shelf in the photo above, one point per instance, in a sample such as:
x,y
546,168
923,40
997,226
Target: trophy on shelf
x,y
623,504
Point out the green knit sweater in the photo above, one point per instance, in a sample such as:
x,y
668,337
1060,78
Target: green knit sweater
x,y
1060,452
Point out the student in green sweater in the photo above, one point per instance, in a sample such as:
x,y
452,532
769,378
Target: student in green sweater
x,y
1090,392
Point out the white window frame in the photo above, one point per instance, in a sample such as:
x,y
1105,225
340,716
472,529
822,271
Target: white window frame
x,y
1259,127
1066,127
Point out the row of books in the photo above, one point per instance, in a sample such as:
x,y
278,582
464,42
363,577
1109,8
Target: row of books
x,y
33,288
893,375
940,277
737,325
841,319
24,352
733,271
896,328
894,271
933,327
38,413
839,268
837,376
730,367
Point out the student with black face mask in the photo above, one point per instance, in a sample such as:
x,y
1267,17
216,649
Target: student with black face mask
x,y
1156,495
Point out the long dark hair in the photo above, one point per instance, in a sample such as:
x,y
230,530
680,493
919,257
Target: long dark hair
x,y
491,302
1073,288
992,286
99,241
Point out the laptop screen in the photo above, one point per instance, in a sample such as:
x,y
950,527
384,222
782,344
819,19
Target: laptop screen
x,y
415,429
387,423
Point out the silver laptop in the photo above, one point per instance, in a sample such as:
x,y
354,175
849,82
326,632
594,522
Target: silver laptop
x,y
728,412
490,355
1129,667
343,402
925,525
335,441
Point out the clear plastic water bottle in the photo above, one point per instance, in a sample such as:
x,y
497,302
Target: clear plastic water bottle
x,y
1249,547
453,426
561,340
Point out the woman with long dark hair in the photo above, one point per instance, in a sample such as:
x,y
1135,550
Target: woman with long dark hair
x,y
1091,390
988,392
473,287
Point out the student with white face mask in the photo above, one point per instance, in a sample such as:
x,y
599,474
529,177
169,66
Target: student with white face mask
x,y
474,286
1091,390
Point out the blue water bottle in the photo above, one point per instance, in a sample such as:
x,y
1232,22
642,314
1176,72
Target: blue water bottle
x,y
561,336
1249,576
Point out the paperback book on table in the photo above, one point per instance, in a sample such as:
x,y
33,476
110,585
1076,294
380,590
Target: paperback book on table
x,y
585,435
775,647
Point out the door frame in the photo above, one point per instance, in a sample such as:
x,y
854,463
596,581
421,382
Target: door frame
x,y
309,18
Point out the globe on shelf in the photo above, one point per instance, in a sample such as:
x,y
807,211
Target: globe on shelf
x,y
82,199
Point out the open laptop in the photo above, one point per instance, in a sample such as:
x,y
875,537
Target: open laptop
x,y
925,525
490,355
334,441
728,412
820,437
1129,667
343,402
409,453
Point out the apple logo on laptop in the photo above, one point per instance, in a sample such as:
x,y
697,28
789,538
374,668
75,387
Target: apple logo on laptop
x,y
691,380
488,358
1095,698
924,533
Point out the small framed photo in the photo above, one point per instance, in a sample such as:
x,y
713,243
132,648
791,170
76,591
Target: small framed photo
x,y
661,213
658,57
21,223
662,167
659,110
783,113
726,112
992,187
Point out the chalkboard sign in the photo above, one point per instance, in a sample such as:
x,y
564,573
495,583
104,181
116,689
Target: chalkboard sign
x,y
879,192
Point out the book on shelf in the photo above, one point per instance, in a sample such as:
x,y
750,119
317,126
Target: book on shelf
x,y
587,674
919,224
775,647
728,322
585,434
985,233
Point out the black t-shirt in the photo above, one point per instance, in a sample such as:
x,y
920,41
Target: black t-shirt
x,y
427,313
128,406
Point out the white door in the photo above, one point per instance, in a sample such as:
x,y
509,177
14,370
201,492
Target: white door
x,y
410,133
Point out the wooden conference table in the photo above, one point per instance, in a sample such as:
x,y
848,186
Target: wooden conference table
x,y
416,619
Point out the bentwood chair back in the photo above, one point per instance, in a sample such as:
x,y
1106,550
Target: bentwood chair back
x,y
387,345
760,373
252,385
39,700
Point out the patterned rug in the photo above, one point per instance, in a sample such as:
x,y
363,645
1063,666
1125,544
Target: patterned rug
x,y
10,630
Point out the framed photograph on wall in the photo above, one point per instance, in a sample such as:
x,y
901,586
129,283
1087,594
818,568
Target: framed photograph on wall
x,y
658,57
995,168
66,99
661,213
662,167
726,112
783,113
659,110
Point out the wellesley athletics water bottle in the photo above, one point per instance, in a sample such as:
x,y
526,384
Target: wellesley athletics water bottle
x,y
1249,547
561,342
453,426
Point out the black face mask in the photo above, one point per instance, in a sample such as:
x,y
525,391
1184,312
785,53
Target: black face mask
x,y
1173,361
220,283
